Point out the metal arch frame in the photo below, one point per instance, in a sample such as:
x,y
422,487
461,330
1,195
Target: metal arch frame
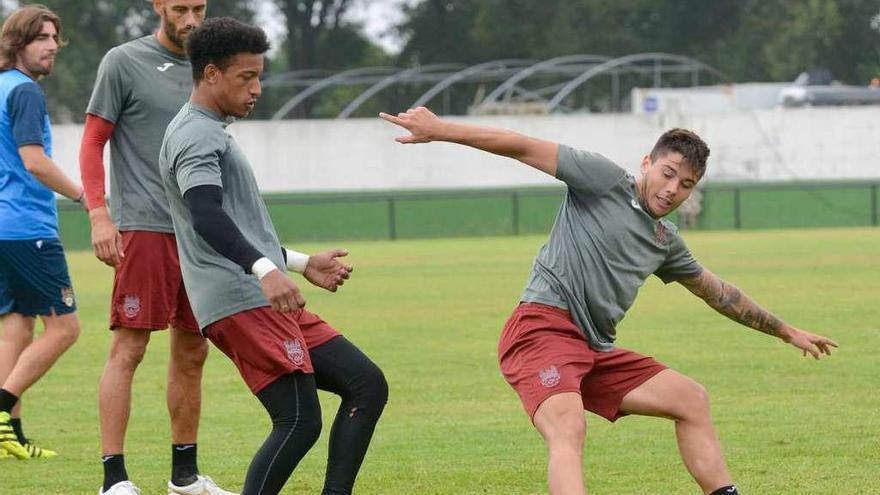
x,y
286,78
465,73
402,76
511,82
658,58
327,82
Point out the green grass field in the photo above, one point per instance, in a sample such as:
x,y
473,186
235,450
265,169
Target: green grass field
x,y
429,312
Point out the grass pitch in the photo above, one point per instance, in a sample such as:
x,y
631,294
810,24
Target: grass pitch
x,y
429,312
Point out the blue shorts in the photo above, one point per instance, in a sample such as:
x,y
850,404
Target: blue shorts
x,y
34,279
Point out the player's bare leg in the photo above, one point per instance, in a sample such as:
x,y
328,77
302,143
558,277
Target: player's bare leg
x,y
16,333
61,331
188,354
672,395
560,420
127,350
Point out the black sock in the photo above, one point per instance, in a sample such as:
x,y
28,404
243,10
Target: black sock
x,y
292,403
114,470
19,432
726,490
184,469
7,400
341,368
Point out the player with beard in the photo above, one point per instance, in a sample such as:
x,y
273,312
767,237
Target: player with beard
x,y
34,280
140,86
557,349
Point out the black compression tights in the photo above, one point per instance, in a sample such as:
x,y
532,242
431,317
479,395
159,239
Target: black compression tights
x,y
343,369
292,403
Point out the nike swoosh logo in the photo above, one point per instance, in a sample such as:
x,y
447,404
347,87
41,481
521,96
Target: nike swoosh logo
x,y
185,447
106,458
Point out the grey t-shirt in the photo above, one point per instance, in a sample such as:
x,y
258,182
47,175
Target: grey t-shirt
x,y
197,151
602,248
139,88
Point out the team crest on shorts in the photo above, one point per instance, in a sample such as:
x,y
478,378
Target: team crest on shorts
x,y
131,306
295,352
67,296
549,376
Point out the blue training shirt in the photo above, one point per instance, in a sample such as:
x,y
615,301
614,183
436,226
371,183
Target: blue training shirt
x,y
27,207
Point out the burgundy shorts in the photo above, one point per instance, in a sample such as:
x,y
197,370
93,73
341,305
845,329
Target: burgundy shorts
x,y
542,353
266,345
148,288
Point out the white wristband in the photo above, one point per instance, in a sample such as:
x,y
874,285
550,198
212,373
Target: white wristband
x,y
262,267
297,261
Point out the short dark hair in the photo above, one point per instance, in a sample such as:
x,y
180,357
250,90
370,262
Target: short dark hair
x,y
219,39
686,143
21,28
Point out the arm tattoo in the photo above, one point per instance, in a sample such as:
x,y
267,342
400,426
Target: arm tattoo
x,y
728,300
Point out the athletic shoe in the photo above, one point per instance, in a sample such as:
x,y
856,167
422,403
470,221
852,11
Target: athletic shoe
x,y
8,440
203,485
4,456
122,488
38,452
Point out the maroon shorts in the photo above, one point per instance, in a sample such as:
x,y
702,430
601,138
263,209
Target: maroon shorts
x,y
265,344
148,288
542,353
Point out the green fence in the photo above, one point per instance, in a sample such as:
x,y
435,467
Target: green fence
x,y
425,214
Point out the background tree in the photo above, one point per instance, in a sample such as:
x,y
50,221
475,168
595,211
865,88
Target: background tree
x,y
90,32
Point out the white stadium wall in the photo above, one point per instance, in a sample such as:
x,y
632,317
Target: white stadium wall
x,y
361,155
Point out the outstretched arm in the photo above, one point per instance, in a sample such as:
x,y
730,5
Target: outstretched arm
x,y
425,127
733,303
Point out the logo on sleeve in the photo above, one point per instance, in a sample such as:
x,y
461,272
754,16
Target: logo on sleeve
x,y
164,67
549,377
132,306
295,352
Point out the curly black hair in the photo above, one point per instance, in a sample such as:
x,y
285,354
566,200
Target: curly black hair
x,y
219,39
691,147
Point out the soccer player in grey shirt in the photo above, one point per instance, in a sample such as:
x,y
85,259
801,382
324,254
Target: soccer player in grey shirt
x,y
557,349
230,257
139,88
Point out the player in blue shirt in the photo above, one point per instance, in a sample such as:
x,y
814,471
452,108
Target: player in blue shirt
x,y
33,272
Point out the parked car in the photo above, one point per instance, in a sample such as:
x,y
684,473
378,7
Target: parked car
x,y
816,87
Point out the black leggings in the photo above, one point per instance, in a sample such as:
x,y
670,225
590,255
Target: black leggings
x,y
292,403
341,368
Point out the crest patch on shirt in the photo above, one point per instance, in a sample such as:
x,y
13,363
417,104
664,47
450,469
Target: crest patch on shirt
x,y
660,234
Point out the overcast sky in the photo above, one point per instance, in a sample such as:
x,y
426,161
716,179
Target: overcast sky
x,y
377,16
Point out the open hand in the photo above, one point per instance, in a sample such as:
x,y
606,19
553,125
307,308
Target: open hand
x,y
326,271
815,345
422,124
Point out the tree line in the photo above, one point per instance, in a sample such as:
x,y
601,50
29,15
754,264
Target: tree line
x,y
748,40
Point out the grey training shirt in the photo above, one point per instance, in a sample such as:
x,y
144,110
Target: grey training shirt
x,y
602,248
140,87
197,151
